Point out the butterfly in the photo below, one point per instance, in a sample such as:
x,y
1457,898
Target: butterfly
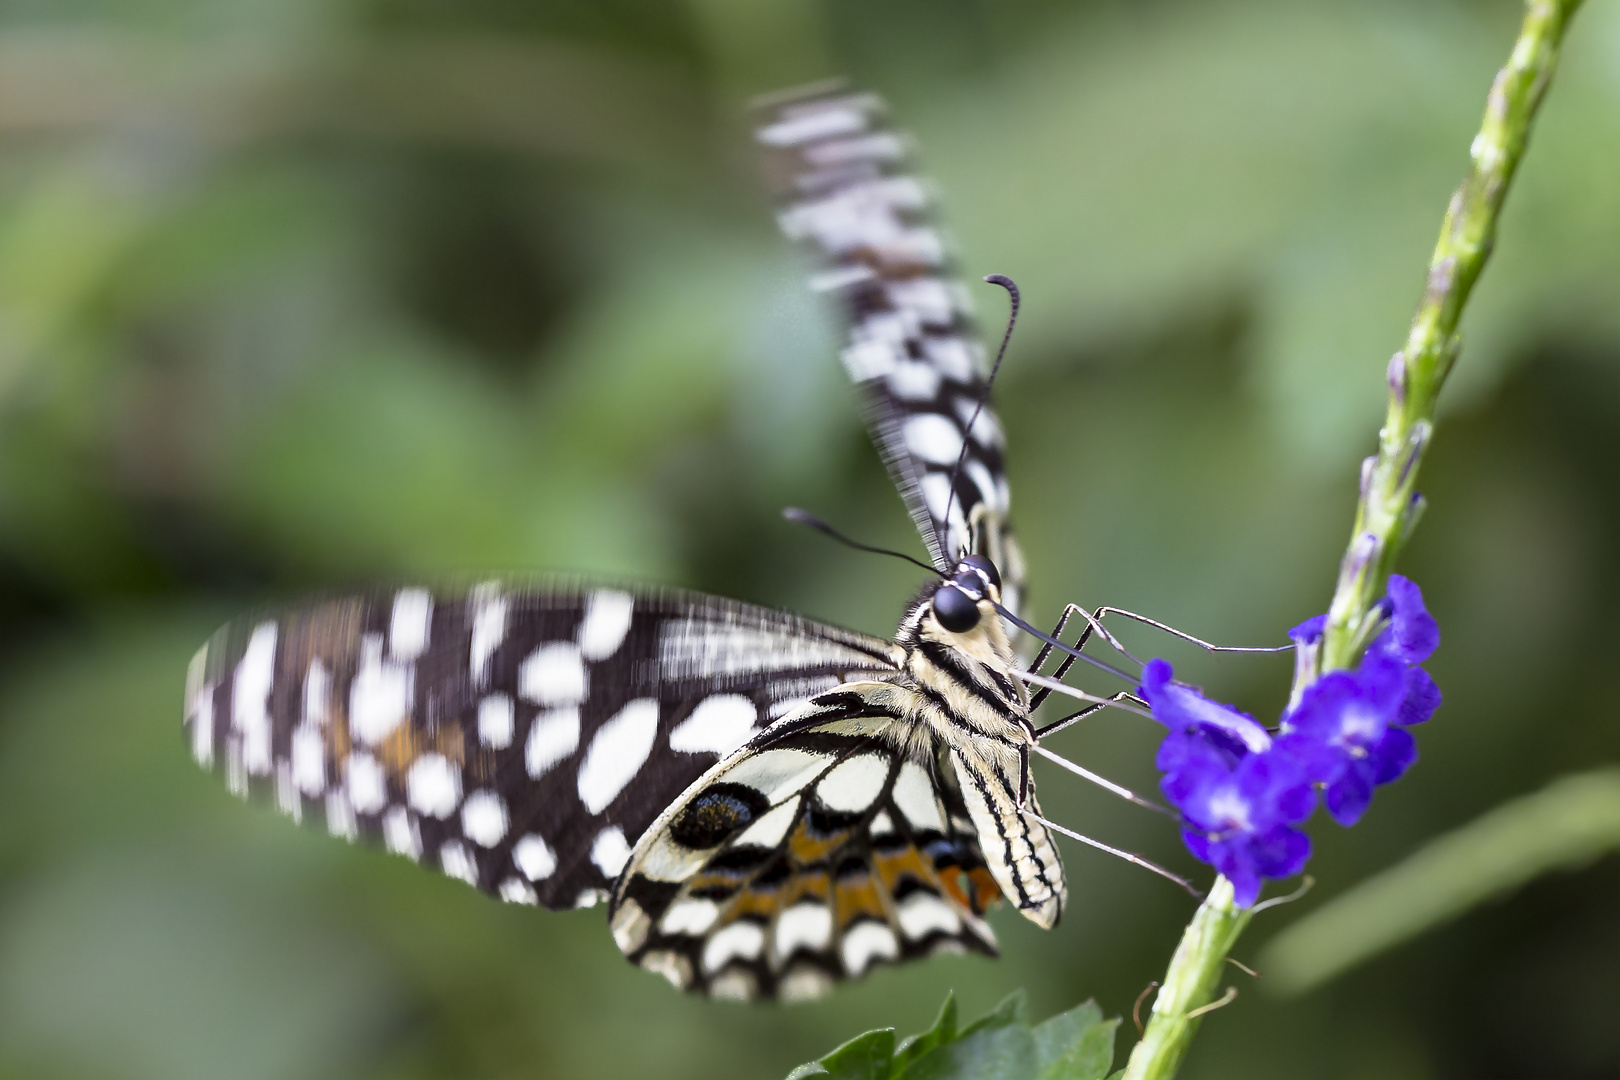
x,y
767,805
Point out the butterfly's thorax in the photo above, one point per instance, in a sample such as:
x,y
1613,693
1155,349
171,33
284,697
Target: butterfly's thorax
x,y
963,684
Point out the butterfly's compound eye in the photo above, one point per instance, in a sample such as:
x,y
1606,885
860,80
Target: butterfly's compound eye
x,y
985,567
956,610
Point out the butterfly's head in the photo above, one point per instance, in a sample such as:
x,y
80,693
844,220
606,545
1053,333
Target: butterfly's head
x,y
966,599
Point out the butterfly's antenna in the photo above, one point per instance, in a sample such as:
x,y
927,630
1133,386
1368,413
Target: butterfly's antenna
x,y
805,517
1012,320
1040,635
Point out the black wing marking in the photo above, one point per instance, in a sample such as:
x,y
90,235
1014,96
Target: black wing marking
x,y
521,739
844,181
807,858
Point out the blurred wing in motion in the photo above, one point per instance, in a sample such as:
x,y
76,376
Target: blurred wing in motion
x,y
806,858
846,191
519,739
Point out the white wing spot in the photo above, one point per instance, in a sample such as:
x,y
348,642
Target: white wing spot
x,y
433,785
719,724
400,833
250,698
670,964
933,438
689,917
495,721
866,942
854,784
202,727
340,815
952,356
488,629
812,127
617,751
607,621
381,694
740,939
552,736
739,984
483,818
534,858
458,862
309,760
768,831
776,774
881,824
317,693
804,983
610,851
804,925
368,784
517,891
989,492
914,794
286,793
553,674
408,627
630,924
921,914
913,380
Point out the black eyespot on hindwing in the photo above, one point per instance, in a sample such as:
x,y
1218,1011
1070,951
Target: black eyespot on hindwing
x,y
717,813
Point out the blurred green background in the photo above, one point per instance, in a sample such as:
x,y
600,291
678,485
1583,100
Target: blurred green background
x,y
298,294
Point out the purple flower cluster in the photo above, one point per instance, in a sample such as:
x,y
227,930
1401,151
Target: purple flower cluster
x,y
1243,790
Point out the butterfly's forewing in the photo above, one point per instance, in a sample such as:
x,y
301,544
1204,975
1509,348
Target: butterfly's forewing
x,y
806,858
520,738
846,188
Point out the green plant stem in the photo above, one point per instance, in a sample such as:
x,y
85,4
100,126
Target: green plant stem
x,y
1189,984
1389,507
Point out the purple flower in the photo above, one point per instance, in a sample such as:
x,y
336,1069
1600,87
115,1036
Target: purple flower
x,y
1413,635
1309,631
1237,796
1181,708
1341,733
1244,861
1236,815
1420,699
1241,792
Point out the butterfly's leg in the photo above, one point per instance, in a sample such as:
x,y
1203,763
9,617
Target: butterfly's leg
x,y
1127,856
1108,785
1173,632
1093,624
1123,697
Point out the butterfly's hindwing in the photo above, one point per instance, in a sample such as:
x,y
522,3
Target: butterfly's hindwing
x,y
845,184
806,858
520,739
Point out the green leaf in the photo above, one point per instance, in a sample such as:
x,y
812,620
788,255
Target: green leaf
x,y
865,1057
1004,1051
1076,1045
1014,1009
942,1033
